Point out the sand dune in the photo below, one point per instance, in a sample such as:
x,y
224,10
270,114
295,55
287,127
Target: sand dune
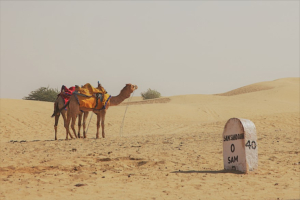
x,y
287,82
170,148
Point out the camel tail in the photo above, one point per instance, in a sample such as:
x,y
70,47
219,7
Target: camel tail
x,y
57,110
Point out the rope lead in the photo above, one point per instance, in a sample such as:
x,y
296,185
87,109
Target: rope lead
x,y
121,128
89,123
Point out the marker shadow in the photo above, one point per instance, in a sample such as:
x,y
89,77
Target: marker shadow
x,y
209,172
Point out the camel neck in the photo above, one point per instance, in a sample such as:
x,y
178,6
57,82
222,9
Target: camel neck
x,y
116,100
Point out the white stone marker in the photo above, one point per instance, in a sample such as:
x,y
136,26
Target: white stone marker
x,y
240,145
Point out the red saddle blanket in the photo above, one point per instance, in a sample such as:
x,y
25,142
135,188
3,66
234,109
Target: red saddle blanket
x,y
66,93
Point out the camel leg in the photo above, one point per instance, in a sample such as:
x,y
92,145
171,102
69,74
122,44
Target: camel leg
x,y
79,124
98,125
67,126
86,114
73,125
55,125
103,112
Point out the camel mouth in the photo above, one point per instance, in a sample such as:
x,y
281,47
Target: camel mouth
x,y
135,87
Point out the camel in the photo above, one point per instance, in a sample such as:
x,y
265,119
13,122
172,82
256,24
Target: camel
x,y
74,110
60,108
58,105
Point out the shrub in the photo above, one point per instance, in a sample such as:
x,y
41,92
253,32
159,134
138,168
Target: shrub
x,y
150,94
43,94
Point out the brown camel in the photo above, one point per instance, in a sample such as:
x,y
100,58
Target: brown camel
x,y
58,105
74,110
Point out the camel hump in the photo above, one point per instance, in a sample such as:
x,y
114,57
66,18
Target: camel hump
x,y
89,90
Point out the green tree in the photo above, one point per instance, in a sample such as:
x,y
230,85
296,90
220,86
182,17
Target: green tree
x,y
150,94
43,94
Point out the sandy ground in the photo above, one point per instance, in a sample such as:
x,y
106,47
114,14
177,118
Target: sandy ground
x,y
170,148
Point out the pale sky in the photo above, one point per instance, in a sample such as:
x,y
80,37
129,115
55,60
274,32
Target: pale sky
x,y
174,47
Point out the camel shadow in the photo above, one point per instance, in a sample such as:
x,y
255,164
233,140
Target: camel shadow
x,y
28,141
224,171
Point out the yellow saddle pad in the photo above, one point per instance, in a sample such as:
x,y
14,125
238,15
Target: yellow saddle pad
x,y
90,97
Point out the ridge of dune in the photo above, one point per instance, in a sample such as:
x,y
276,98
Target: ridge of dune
x,y
290,86
246,89
148,101
267,85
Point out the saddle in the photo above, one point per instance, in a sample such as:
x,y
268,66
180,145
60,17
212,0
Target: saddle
x,y
66,93
90,97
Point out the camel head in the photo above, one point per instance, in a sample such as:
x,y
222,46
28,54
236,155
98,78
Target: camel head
x,y
128,89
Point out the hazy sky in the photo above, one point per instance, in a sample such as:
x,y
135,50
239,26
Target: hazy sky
x,y
175,47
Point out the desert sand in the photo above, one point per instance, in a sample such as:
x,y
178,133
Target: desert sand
x,y
170,148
